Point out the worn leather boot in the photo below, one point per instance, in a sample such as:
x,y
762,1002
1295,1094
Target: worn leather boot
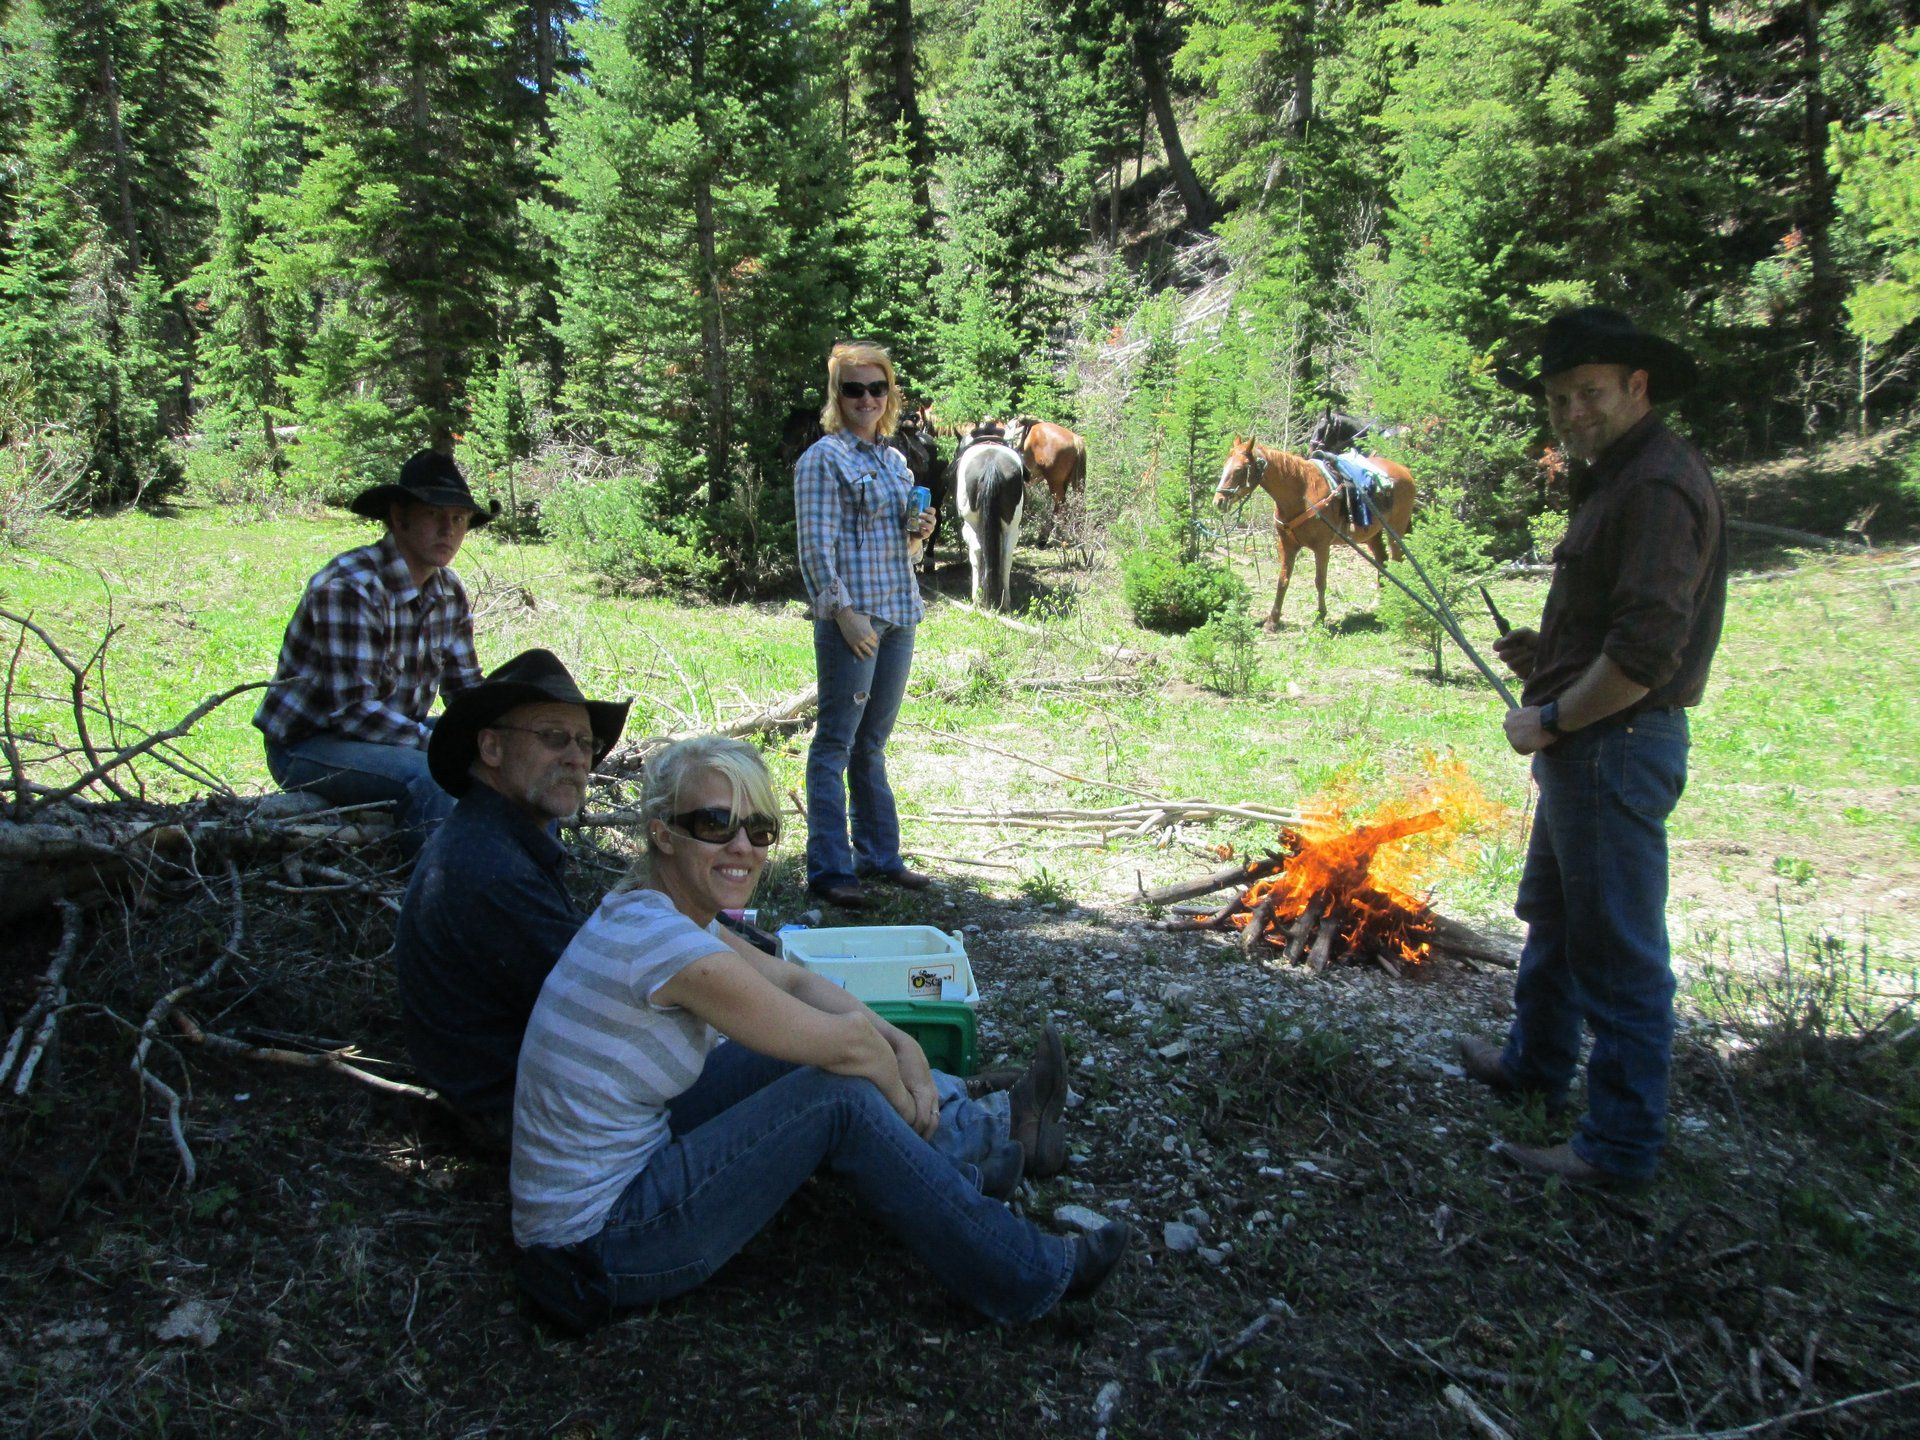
x,y
1036,1102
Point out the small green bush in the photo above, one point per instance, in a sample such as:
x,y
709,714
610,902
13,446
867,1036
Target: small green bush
x,y
616,528
1166,593
1226,653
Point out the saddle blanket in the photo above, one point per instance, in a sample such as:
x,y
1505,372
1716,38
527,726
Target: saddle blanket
x,y
1372,486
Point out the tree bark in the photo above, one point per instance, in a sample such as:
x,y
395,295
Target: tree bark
x,y
1201,210
117,137
1302,108
713,335
1816,220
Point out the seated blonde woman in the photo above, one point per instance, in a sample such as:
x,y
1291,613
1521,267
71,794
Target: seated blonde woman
x,y
674,1089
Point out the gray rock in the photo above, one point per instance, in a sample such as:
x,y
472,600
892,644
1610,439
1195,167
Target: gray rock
x,y
1173,1050
1078,1217
1180,1239
1212,1256
1198,1218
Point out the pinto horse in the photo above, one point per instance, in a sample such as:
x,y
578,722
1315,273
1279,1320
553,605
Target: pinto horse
x,y
989,489
1306,512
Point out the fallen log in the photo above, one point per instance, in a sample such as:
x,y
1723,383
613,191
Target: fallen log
x,y
1303,929
1456,938
1255,933
1245,873
1322,951
1790,536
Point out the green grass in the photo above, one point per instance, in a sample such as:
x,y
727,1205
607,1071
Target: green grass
x,y
1805,753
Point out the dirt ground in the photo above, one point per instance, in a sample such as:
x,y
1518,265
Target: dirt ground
x,y
1327,1247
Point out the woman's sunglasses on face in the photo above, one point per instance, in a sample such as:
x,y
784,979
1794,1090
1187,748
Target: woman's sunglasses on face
x,y
716,825
853,389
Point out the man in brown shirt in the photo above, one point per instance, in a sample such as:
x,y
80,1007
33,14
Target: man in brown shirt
x,y
1629,630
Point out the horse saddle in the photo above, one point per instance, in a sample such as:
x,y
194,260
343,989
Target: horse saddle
x,y
1362,485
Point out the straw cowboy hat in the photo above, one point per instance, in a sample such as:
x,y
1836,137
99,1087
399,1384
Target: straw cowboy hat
x,y
429,478
1597,335
533,677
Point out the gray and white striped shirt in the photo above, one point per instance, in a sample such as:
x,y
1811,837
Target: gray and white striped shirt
x,y
600,1062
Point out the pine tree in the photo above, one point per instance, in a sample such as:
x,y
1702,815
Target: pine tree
x,y
105,224
894,260
697,184
1879,188
399,236
253,152
1016,174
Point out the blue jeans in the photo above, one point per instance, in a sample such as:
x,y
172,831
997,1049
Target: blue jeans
x,y
358,772
731,1166
968,1130
1594,896
859,700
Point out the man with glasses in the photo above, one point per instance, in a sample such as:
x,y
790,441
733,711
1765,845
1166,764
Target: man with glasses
x,y
488,911
379,633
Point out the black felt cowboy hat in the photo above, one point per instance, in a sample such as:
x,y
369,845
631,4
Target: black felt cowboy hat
x,y
533,677
1597,335
430,478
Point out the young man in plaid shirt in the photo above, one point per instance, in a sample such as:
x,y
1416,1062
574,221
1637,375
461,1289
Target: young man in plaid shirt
x,y
379,633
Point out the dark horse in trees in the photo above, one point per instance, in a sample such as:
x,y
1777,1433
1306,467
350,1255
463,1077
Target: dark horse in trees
x,y
1307,513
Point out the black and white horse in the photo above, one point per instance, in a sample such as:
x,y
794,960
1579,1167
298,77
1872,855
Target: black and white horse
x,y
989,487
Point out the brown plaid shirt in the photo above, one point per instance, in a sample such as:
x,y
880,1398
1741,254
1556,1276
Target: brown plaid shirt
x,y
1641,576
366,652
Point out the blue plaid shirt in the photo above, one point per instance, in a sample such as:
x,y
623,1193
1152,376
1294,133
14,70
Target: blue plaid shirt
x,y
850,501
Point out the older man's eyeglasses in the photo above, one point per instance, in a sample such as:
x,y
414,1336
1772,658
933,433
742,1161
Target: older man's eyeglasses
x,y
558,741
854,389
716,825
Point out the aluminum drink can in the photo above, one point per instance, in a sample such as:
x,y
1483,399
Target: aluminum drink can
x,y
918,499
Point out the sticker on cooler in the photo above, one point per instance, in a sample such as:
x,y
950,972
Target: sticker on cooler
x,y
936,982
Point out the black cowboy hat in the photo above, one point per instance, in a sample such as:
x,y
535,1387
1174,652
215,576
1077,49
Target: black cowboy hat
x,y
533,677
430,478
1597,335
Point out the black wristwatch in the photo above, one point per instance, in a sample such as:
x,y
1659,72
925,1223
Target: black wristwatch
x,y
1550,717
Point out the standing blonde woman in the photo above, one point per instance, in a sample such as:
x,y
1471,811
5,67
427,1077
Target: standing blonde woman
x,y
646,1151
851,499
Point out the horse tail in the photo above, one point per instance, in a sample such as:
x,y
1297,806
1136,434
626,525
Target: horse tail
x,y
1001,491
1078,479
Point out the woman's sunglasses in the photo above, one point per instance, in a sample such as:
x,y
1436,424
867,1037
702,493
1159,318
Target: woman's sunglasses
x,y
716,825
853,389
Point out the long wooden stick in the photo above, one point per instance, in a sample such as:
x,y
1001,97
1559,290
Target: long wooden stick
x,y
1244,873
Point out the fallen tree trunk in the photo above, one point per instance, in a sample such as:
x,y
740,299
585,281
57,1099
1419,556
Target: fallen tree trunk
x,y
1791,536
1244,873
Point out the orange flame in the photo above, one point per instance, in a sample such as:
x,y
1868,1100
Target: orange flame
x,y
1373,875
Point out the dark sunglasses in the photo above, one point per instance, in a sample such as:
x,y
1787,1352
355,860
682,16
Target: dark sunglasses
x,y
716,825
853,389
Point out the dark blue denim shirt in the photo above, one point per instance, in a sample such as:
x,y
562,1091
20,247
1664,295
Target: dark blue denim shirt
x,y
485,917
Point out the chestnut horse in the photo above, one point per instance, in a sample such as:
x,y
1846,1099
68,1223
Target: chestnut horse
x,y
1306,515
1054,454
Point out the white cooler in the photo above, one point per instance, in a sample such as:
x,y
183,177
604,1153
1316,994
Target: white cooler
x,y
886,962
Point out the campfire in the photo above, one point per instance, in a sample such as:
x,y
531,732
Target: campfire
x,y
1337,891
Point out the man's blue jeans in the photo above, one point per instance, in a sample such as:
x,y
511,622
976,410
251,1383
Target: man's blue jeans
x,y
751,1130
358,772
1594,896
859,700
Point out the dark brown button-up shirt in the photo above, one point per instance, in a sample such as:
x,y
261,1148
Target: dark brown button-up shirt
x,y
1641,576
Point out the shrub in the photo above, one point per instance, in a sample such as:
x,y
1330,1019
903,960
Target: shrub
x,y
41,470
1226,653
616,527
1166,593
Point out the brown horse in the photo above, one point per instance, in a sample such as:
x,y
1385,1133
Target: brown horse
x,y
1054,454
1306,514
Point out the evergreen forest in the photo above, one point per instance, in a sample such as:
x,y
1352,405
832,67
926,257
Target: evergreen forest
x,y
267,248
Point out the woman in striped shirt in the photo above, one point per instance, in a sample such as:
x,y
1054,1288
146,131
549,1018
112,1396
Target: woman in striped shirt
x,y
675,1088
